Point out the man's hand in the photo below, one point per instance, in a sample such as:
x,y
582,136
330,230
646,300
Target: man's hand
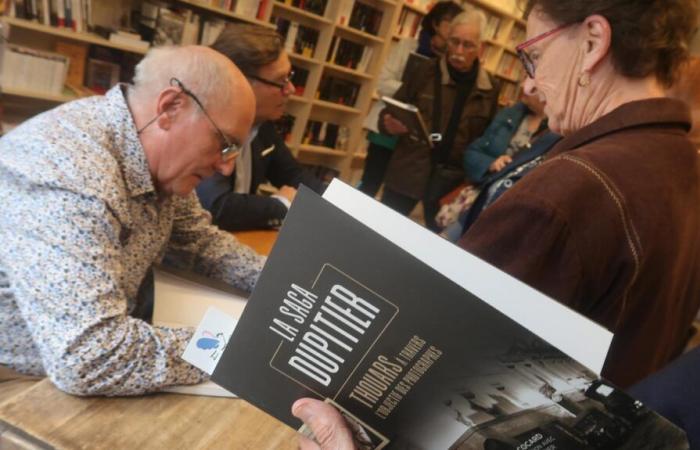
x,y
393,125
326,423
287,192
500,163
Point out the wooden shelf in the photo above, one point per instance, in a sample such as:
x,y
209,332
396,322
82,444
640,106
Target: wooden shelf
x,y
336,106
347,71
358,34
37,95
225,13
510,78
414,8
302,58
301,13
360,156
320,150
498,10
67,33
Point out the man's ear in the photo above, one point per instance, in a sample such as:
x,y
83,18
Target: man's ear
x,y
171,101
596,42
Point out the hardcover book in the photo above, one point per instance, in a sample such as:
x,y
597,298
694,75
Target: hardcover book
x,y
411,358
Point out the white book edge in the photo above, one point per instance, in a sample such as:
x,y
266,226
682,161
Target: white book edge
x,y
572,333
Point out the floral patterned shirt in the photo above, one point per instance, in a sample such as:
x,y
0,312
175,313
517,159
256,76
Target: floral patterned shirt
x,y
80,227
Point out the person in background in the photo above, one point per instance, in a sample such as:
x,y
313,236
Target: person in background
x,y
609,224
95,192
510,135
431,43
510,131
259,53
457,99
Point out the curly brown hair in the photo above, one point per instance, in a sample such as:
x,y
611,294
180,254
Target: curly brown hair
x,y
648,36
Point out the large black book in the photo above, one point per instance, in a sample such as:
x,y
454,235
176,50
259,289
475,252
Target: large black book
x,y
413,359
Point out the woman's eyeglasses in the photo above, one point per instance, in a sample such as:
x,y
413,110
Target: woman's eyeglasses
x,y
278,84
525,58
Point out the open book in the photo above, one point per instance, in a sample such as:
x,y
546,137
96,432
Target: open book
x,y
448,354
410,116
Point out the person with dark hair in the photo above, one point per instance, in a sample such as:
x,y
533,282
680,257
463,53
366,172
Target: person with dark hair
x,y
232,200
431,43
609,224
457,99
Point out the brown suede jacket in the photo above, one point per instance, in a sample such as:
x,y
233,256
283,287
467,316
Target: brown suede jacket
x,y
610,226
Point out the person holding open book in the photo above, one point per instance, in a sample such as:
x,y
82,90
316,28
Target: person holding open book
x,y
431,43
456,99
609,224
97,191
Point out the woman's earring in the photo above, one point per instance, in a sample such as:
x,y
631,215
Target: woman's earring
x,y
584,79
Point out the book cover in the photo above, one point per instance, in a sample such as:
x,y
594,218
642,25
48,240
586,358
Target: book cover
x,y
410,357
411,117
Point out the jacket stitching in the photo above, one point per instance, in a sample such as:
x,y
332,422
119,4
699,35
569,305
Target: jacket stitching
x,y
628,226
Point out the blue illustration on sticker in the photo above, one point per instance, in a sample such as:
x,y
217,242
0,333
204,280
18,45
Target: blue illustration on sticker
x,y
211,341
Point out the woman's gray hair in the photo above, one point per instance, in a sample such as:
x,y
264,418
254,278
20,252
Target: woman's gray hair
x,y
470,15
204,72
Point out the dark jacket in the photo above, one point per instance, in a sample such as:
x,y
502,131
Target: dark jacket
x,y
481,153
610,226
410,165
232,211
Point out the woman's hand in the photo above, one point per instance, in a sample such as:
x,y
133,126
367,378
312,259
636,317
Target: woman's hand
x,y
500,163
326,423
393,125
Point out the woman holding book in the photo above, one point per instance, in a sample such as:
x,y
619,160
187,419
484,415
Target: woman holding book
x,y
609,224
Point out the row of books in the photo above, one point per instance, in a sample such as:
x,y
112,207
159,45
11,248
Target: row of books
x,y
298,39
409,22
509,66
509,93
32,70
249,8
326,134
493,25
349,54
360,16
338,90
517,36
299,79
74,14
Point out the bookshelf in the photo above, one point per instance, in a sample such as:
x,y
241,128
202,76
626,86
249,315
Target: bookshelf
x,y
361,31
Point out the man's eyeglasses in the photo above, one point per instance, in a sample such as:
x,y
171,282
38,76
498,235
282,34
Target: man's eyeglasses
x,y
525,58
279,84
231,149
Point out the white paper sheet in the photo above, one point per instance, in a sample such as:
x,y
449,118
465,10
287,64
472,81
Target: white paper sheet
x,y
182,302
570,332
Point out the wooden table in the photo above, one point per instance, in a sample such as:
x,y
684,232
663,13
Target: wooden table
x,y
36,415
259,240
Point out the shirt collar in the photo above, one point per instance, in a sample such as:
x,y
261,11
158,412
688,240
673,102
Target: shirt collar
x,y
126,145
665,111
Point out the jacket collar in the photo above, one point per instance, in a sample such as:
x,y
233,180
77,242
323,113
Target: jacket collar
x,y
483,81
663,111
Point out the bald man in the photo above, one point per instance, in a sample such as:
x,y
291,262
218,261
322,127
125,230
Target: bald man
x,y
95,192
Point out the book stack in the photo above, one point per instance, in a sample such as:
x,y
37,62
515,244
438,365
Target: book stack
x,y
129,39
74,14
32,70
338,90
